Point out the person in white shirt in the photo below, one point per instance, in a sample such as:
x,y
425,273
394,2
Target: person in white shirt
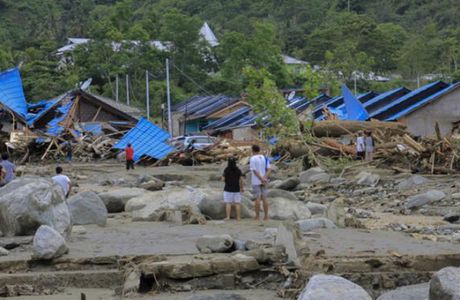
x,y
260,172
360,146
63,181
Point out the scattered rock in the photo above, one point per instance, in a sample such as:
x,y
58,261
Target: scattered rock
x,y
270,233
48,243
284,209
314,175
425,198
366,178
115,200
456,196
132,283
410,292
316,223
288,237
411,182
87,208
277,193
217,297
444,285
28,202
329,287
215,243
336,212
452,217
288,184
3,251
456,237
78,230
211,204
152,185
316,208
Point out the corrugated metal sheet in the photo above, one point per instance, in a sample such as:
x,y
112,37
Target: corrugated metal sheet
x,y
12,92
408,100
147,139
200,106
230,118
385,98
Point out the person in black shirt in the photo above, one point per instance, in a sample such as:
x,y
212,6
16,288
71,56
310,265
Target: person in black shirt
x,y
233,178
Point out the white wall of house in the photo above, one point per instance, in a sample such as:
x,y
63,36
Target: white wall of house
x,y
445,111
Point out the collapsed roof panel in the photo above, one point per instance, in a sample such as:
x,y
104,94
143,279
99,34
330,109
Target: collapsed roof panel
x,y
147,139
12,93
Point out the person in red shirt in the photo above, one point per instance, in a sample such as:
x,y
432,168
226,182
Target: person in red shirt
x,y
129,151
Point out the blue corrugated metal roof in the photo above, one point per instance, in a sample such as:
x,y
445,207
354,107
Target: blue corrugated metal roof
x,y
94,127
421,103
201,106
53,127
385,98
228,119
408,100
12,92
147,139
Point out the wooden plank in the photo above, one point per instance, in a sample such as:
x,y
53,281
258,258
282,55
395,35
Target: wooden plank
x,y
96,114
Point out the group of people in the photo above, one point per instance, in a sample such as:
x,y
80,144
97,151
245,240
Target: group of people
x,y
259,166
365,145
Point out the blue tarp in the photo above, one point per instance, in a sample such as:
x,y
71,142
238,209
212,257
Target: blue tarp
x,y
147,139
54,129
354,108
95,128
12,93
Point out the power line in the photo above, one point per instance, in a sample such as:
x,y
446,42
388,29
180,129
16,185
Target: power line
x,y
193,81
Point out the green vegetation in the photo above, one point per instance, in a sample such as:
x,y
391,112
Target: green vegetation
x,y
408,38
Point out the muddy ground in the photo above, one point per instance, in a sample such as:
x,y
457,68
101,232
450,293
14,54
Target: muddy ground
x,y
373,237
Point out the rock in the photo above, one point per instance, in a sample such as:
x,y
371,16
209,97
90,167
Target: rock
x,y
152,185
330,287
284,209
288,184
78,229
336,212
277,193
3,251
316,208
215,243
115,200
410,292
132,283
456,196
87,208
452,217
217,297
314,175
411,182
48,243
366,178
425,198
211,204
155,206
316,223
270,233
444,285
143,178
288,236
456,237
28,202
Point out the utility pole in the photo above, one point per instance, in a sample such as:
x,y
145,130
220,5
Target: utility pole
x,y
116,88
127,89
356,88
147,94
168,97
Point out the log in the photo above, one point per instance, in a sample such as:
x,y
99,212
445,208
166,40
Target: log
x,y
337,128
350,150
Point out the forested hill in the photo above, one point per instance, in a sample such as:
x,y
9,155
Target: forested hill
x,y
408,38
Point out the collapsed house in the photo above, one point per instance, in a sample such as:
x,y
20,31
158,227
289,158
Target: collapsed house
x,y
91,124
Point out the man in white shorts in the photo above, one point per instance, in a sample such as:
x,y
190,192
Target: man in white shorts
x,y
260,172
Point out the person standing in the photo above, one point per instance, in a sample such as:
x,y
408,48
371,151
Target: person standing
x,y
234,186
8,167
63,181
369,142
129,151
260,172
68,152
360,146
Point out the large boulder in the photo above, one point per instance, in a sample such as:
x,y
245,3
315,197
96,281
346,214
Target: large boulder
x,y
329,287
115,200
445,284
157,206
411,182
368,179
215,243
87,208
316,223
285,209
316,208
26,203
314,175
211,204
288,184
277,193
48,243
419,200
410,292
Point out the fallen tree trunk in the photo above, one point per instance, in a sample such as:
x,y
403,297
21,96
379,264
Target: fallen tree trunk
x,y
337,128
350,150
